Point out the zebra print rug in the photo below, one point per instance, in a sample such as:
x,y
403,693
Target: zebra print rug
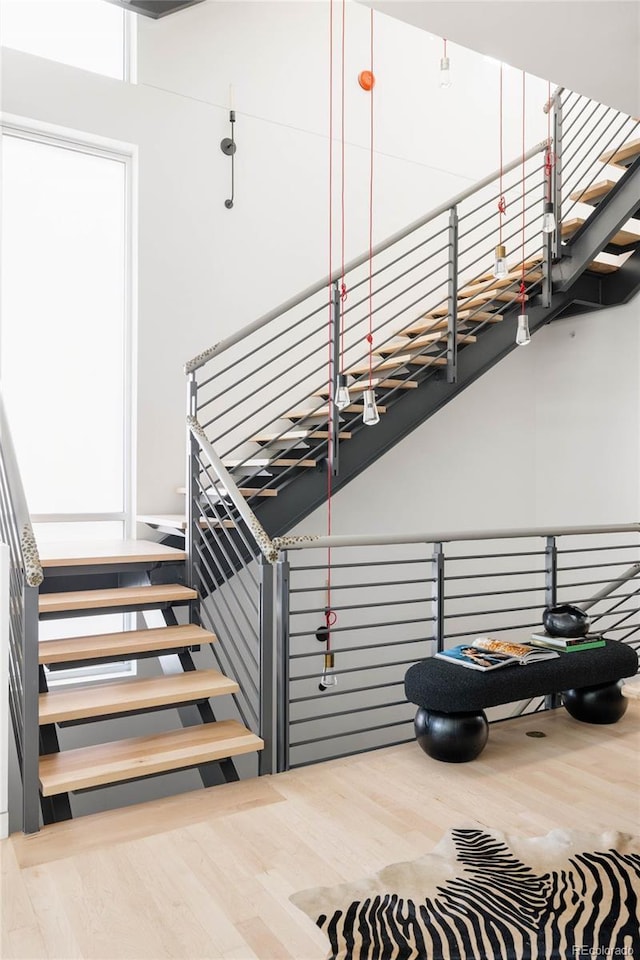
x,y
484,896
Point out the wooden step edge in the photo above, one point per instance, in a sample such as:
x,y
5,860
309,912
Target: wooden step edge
x,y
623,238
533,276
596,192
619,155
104,646
266,462
131,696
402,361
116,597
418,344
120,760
388,384
464,316
245,491
353,408
299,435
176,521
107,552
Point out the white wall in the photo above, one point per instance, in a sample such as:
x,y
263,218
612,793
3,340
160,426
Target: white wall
x,y
591,46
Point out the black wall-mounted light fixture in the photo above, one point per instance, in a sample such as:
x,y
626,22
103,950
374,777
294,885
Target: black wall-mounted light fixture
x,y
228,147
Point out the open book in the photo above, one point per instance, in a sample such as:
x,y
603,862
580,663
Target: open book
x,y
484,653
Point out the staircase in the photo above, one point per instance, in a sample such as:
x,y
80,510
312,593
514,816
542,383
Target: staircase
x,y
129,577
263,431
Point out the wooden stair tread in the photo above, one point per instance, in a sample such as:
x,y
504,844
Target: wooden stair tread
x,y
599,266
388,384
464,316
324,412
115,645
104,699
124,759
400,361
622,156
177,521
115,597
596,192
266,462
514,271
623,238
533,276
502,296
407,343
297,435
88,552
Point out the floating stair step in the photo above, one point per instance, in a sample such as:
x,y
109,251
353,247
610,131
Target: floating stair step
x,y
533,276
464,316
389,384
265,463
594,194
156,595
502,296
420,342
131,696
140,756
299,435
599,266
106,646
92,552
623,238
404,360
245,491
324,412
177,521
622,157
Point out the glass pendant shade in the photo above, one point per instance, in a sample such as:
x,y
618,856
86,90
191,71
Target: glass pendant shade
x,y
328,678
500,268
548,218
343,399
370,415
523,337
445,72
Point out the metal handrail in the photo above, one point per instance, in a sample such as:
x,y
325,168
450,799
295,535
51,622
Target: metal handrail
x,y
370,540
203,358
31,565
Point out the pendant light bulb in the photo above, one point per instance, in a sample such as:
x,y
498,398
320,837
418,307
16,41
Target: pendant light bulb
x,y
523,337
500,268
329,677
548,218
370,415
342,393
445,73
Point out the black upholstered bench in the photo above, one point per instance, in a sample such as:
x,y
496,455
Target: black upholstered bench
x,y
451,724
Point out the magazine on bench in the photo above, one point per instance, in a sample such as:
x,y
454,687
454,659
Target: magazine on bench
x,y
485,653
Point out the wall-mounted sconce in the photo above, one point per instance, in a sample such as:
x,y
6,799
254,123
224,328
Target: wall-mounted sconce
x,y
228,147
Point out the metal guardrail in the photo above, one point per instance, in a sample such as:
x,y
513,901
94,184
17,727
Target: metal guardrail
x,y
25,576
397,600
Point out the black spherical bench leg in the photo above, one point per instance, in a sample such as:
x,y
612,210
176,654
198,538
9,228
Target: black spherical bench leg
x,y
601,704
452,737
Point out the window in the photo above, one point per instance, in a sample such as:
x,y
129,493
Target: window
x,y
89,34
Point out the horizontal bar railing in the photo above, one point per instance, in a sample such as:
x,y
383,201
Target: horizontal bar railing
x,y
25,576
427,591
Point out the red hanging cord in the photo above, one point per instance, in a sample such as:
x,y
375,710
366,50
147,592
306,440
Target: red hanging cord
x,y
522,283
370,334
332,372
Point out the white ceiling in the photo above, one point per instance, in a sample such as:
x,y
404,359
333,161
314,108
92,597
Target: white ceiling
x,y
591,46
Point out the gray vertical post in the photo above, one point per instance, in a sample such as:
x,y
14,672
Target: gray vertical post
x,y
192,530
452,321
334,413
282,661
437,595
551,598
267,757
556,176
31,728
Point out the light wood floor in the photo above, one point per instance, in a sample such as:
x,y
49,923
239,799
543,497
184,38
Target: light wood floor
x,y
209,874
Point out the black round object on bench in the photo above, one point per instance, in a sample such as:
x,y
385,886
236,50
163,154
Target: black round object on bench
x,y
565,620
444,688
